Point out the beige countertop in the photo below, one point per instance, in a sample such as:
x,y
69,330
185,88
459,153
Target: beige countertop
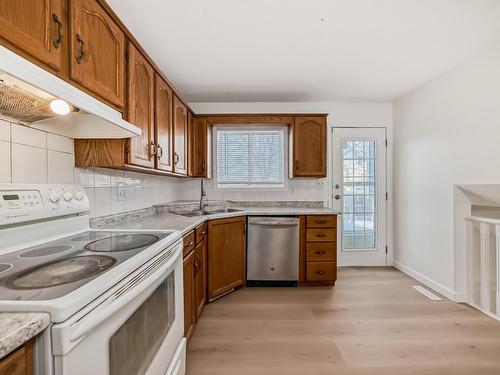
x,y
18,327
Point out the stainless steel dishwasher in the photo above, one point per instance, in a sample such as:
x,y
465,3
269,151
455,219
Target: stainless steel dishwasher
x,y
273,251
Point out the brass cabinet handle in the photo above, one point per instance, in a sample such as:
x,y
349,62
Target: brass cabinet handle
x,y
176,157
190,243
320,221
59,39
321,273
203,166
81,52
321,252
159,152
321,235
152,149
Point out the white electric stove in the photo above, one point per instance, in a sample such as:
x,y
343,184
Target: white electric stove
x,y
114,297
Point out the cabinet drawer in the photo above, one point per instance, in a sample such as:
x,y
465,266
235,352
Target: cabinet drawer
x,y
200,232
321,271
188,243
321,251
321,235
321,221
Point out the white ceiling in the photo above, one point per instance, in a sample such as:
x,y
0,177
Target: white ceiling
x,y
307,50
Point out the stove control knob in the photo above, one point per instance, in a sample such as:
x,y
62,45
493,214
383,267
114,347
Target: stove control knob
x,y
68,196
78,196
54,198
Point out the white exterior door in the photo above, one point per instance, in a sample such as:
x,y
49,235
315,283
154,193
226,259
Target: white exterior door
x,y
359,191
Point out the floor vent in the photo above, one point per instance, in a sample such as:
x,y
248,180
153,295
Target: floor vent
x,y
427,293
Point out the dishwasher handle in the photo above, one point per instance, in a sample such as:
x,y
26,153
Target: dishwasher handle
x,y
274,222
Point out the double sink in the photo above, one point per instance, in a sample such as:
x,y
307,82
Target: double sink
x,y
193,213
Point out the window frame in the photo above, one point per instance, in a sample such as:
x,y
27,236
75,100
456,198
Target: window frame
x,y
252,127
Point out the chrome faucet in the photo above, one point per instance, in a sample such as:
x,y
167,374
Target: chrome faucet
x,y
203,193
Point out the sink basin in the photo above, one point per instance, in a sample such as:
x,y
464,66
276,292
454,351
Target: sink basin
x,y
194,213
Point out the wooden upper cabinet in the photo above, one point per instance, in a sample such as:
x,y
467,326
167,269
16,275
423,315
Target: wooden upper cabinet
x,y
226,255
180,136
97,52
309,146
141,86
163,125
35,28
198,163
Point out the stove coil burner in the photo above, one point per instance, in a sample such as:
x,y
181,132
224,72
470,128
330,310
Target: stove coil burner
x,y
122,242
61,272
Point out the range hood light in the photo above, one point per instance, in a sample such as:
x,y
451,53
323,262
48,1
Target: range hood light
x,y
60,107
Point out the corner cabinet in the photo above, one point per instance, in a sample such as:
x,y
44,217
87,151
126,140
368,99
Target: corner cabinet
x,y
35,29
308,153
141,89
226,255
198,145
97,52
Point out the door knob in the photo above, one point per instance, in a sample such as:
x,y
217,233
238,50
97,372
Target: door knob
x,y
337,196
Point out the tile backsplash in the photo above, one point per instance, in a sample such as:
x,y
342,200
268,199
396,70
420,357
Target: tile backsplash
x,y
29,155
32,156
296,190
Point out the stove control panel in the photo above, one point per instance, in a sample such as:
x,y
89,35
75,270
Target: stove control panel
x,y
27,202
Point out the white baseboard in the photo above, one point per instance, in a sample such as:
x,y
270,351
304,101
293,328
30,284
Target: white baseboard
x,y
441,289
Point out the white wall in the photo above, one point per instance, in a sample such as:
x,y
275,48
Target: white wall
x,y
343,114
447,133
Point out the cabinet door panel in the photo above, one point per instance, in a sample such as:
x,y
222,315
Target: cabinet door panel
x,y
35,27
200,277
163,120
180,136
309,147
226,255
189,312
97,53
141,109
197,146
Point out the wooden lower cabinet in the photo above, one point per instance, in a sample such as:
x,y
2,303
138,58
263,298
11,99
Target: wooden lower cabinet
x,y
195,277
200,277
19,362
226,255
320,248
189,291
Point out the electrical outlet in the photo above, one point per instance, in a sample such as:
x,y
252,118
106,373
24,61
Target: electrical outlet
x,y
121,194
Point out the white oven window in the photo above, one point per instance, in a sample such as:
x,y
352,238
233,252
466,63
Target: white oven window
x,y
134,345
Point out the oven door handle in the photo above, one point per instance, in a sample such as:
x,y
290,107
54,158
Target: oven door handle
x,y
111,306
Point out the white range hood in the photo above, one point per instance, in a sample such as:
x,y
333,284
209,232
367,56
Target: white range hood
x,y
94,119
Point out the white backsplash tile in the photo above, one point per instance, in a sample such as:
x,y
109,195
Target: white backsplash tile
x,y
102,201
60,167
4,130
84,177
59,143
29,164
5,172
28,136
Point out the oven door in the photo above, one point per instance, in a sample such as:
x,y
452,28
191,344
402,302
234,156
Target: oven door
x,y
135,328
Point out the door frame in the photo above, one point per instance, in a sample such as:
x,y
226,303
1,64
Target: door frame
x,y
389,175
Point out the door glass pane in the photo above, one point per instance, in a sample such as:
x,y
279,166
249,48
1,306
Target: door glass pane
x,y
359,192
133,346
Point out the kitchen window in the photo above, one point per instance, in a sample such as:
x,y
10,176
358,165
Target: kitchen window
x,y
250,157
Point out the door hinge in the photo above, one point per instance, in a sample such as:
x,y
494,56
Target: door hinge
x,y
126,55
386,249
386,142
386,196
127,148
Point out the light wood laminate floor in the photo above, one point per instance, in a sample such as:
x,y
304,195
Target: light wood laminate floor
x,y
371,322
